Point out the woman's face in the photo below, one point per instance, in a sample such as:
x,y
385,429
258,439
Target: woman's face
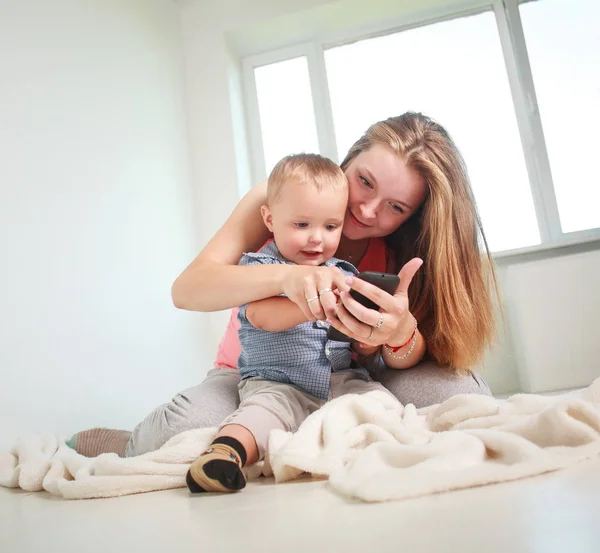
x,y
384,193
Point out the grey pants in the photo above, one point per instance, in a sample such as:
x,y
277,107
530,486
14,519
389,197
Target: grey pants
x,y
212,401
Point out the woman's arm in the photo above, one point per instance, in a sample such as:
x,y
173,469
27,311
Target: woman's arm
x,y
213,281
396,360
274,314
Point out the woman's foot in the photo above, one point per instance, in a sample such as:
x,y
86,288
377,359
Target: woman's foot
x,y
94,442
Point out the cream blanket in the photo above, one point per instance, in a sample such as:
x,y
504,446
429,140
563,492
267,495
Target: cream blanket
x,y
369,447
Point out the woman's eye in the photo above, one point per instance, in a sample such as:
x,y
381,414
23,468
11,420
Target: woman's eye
x,y
301,225
365,182
397,208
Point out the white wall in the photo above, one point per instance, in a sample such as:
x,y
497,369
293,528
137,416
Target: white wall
x,y
96,214
216,33
555,303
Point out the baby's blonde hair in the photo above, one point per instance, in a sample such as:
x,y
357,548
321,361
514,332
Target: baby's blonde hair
x,y
317,170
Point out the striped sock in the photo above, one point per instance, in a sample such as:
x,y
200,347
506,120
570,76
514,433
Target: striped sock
x,y
94,442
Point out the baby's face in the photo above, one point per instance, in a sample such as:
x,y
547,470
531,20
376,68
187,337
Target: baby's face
x,y
307,224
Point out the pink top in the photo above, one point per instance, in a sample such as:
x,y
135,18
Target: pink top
x,y
375,259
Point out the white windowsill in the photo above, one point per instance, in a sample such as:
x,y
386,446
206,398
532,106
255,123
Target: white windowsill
x,y
581,241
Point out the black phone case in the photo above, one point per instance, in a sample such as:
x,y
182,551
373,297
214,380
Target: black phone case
x,y
387,282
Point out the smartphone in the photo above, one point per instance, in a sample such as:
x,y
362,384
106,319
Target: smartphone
x,y
387,282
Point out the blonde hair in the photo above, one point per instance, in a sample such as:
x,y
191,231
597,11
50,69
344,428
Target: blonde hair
x,y
450,296
304,168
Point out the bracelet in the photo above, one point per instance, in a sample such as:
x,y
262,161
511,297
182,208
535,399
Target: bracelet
x,y
404,356
394,349
412,341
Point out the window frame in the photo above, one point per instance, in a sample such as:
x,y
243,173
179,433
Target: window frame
x,y
520,78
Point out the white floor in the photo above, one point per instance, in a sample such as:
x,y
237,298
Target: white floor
x,y
557,512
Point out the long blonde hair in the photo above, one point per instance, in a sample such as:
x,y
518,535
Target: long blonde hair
x,y
450,295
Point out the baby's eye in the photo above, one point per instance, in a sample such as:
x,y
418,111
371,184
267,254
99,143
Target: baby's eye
x,y
331,227
301,225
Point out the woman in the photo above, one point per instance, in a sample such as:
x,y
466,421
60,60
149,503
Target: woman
x,y
410,200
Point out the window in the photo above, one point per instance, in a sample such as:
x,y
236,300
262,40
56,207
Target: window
x,y
563,43
515,84
461,86
285,106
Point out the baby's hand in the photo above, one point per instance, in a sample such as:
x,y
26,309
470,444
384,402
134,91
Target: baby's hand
x,y
363,349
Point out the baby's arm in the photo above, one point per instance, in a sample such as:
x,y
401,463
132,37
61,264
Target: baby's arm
x,y
364,351
274,314
367,356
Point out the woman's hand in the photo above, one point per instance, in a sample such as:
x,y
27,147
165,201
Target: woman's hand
x,y
315,290
392,324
